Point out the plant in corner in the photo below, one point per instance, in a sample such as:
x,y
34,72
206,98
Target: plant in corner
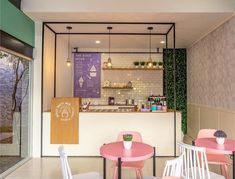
x,y
142,64
160,64
136,64
220,136
127,140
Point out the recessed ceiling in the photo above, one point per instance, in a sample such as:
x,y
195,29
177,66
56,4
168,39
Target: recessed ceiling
x,y
190,27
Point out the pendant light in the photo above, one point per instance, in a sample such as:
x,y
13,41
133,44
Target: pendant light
x,y
150,61
109,64
68,61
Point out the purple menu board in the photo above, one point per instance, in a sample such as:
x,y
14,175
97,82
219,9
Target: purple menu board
x,y
87,72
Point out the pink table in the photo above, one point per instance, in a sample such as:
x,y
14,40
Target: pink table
x,y
116,152
228,148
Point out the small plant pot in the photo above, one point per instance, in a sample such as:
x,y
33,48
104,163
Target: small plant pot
x,y
220,140
136,66
142,66
160,66
127,144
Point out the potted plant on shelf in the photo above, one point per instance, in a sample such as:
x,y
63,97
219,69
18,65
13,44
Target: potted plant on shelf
x,y
154,64
142,64
136,64
220,136
127,140
160,65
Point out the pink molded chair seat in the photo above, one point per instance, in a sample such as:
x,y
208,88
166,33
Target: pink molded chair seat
x,y
130,165
213,158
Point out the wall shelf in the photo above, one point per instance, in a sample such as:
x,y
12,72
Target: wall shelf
x,y
144,69
117,87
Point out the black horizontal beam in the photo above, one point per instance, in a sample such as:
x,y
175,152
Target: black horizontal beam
x,y
169,29
12,43
127,23
50,28
123,52
86,33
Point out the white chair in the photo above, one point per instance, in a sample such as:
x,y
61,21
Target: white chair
x,y
172,168
66,169
195,165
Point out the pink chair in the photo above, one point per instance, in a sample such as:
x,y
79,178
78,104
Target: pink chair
x,y
213,158
130,165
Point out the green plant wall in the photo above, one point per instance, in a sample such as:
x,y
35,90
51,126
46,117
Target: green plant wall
x,y
181,82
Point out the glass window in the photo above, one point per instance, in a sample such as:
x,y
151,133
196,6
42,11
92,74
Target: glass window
x,y
14,109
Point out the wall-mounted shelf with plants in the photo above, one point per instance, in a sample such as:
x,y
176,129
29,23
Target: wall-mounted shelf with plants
x,y
118,87
145,69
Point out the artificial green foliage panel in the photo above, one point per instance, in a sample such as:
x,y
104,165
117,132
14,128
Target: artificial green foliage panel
x,y
181,82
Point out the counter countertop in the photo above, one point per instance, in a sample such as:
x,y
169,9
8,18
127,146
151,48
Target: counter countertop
x,y
118,111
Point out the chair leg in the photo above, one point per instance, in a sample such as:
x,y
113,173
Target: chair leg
x,y
140,173
137,174
224,171
114,172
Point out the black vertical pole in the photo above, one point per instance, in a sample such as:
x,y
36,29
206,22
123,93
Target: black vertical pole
x,y
119,169
233,164
55,65
154,161
165,72
104,168
174,73
43,29
166,40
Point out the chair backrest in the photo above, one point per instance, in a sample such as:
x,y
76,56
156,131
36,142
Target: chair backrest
x,y
136,136
173,167
206,133
195,165
66,172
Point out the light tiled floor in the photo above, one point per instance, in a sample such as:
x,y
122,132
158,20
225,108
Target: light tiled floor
x,y
49,168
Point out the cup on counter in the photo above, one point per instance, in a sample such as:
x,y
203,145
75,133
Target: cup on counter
x,y
159,107
154,107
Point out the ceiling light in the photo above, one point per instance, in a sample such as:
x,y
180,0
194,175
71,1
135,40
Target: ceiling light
x,y
162,42
68,61
150,62
109,59
97,41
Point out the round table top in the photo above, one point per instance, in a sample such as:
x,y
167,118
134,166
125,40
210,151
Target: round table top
x,y
211,145
139,151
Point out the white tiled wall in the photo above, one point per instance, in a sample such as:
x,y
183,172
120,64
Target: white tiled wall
x,y
144,83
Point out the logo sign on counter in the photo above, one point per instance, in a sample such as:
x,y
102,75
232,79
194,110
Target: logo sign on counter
x,y
87,72
64,120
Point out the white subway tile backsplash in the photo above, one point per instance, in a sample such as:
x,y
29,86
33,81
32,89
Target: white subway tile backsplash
x,y
144,83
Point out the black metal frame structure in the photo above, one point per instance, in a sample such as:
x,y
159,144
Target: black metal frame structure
x,y
171,29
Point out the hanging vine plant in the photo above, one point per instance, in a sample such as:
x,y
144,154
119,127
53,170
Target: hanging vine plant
x,y
181,82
